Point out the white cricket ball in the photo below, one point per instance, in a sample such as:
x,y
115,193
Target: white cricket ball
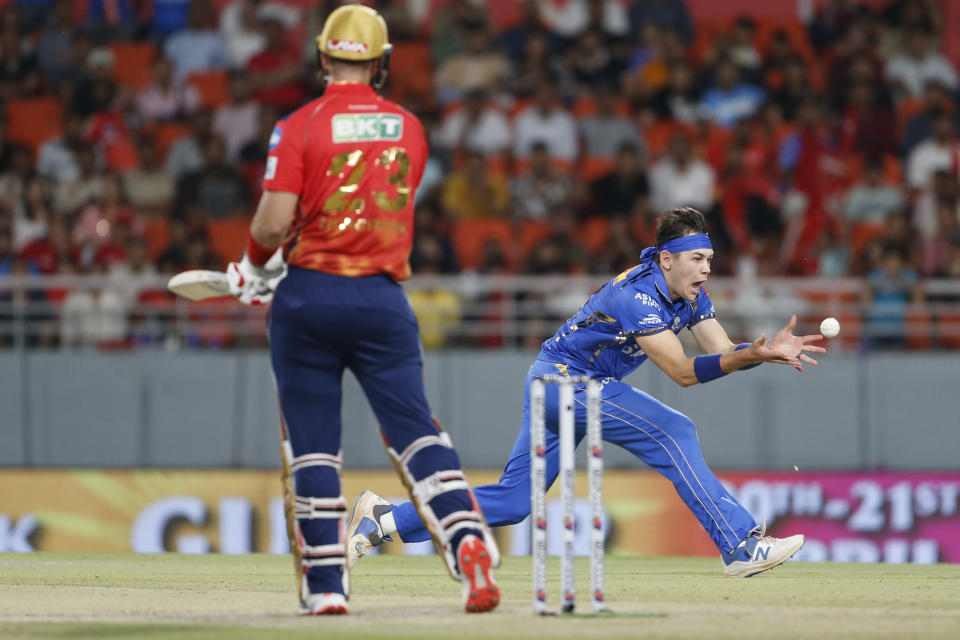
x,y
829,328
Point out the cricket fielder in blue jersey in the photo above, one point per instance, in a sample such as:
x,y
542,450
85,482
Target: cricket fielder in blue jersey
x,y
635,316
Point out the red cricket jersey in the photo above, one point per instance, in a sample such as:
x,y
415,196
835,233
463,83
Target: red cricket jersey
x,y
355,159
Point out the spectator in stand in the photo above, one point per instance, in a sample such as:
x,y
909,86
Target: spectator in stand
x,y
14,177
240,27
430,226
92,317
936,99
867,125
133,274
68,197
166,98
149,187
831,22
169,16
546,122
186,154
237,122
275,73
515,40
616,194
667,14
605,132
918,63
199,47
680,99
570,18
538,62
99,222
871,201
55,46
730,100
795,88
743,52
438,309
199,254
890,288
33,212
215,191
474,192
936,252
20,74
679,179
939,151
538,192
593,62
95,90
7,255
113,19
173,257
477,126
943,189
453,19
48,253
480,66
560,252
779,53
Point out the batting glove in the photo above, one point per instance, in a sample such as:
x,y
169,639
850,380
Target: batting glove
x,y
255,285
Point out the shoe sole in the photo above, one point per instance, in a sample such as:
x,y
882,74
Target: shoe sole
x,y
355,517
333,610
484,594
749,572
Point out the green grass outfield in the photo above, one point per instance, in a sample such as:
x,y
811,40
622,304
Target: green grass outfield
x,y
61,595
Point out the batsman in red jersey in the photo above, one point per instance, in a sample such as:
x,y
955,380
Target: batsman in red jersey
x,y
338,195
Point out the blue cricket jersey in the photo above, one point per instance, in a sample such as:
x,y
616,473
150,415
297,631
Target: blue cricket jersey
x,y
599,339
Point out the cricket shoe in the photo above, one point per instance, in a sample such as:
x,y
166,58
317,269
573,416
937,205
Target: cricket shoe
x,y
480,590
324,604
364,532
758,553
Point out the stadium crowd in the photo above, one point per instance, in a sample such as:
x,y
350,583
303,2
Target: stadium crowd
x,y
134,135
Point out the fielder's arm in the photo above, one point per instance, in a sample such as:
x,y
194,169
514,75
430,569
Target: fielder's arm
x,y
666,351
711,337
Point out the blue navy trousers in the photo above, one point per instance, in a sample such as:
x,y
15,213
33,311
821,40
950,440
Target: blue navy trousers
x,y
321,324
663,438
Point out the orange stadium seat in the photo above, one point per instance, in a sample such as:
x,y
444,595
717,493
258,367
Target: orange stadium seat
x,y
919,328
33,121
592,167
411,69
132,63
531,234
948,330
157,234
228,237
470,236
167,133
212,87
593,233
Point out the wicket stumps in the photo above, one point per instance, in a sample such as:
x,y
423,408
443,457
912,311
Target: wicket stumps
x,y
538,488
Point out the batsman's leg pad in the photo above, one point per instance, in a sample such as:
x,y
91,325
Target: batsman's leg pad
x,y
321,511
430,469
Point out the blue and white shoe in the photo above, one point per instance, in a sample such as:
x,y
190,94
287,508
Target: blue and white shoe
x,y
758,553
364,532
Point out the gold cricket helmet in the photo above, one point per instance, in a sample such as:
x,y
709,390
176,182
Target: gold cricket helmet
x,y
354,32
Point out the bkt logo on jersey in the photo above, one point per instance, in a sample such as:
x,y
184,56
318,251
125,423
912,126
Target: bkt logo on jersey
x,y
348,127
647,300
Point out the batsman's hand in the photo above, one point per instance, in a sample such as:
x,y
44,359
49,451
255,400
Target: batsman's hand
x,y
255,285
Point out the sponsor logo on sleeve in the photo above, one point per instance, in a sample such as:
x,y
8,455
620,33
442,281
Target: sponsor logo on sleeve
x,y
647,300
275,137
652,319
271,171
363,127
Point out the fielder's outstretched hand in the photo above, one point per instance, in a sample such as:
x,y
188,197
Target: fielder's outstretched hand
x,y
786,348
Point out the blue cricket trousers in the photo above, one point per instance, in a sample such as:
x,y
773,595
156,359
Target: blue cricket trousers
x,y
664,439
319,325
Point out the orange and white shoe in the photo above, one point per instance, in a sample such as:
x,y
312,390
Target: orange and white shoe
x,y
480,590
324,604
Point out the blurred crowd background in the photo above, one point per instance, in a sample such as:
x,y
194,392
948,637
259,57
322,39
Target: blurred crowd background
x,y
820,142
